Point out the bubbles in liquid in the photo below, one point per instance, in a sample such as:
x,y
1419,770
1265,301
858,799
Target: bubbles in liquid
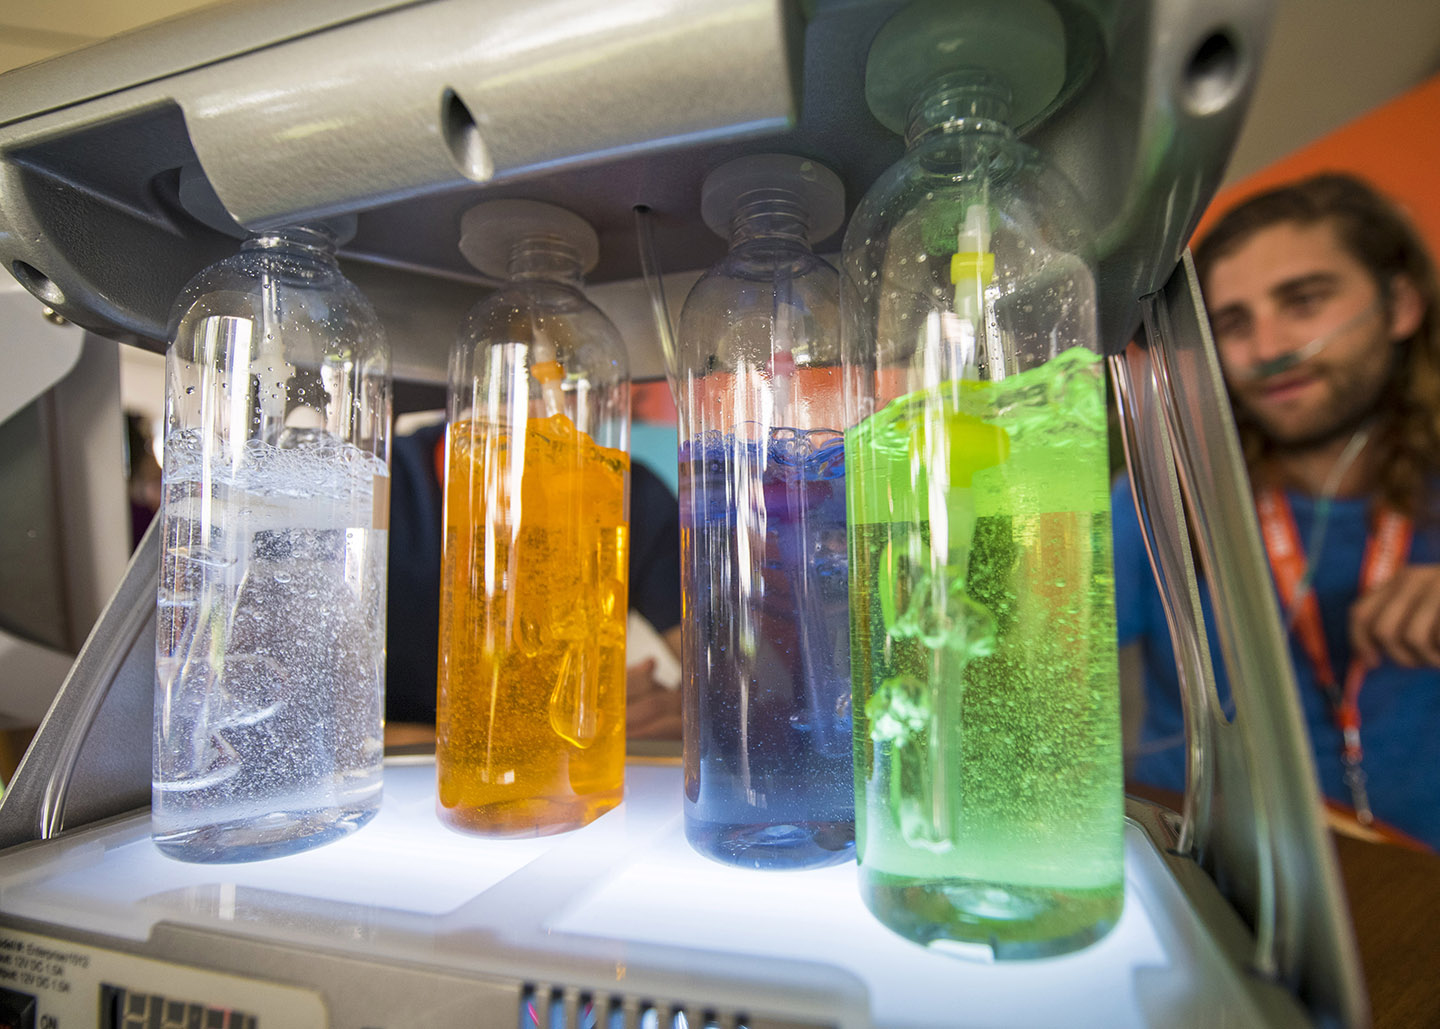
x,y
941,615
984,655
533,611
898,710
765,562
269,648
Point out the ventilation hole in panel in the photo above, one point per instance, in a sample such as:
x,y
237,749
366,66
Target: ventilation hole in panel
x,y
462,135
621,1012
1214,75
38,283
551,1007
529,1012
541,1007
580,1011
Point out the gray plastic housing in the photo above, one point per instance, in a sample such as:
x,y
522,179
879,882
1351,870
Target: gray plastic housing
x,y
406,114
1252,816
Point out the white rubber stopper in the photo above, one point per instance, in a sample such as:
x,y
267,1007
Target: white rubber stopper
x,y
816,188
1022,42
490,231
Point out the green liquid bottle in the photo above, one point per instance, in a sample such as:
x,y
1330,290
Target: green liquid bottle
x,y
989,802
987,729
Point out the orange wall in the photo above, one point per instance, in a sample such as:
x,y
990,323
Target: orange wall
x,y
1396,147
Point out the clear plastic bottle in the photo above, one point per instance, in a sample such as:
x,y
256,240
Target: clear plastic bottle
x,y
769,779
989,803
534,581
270,642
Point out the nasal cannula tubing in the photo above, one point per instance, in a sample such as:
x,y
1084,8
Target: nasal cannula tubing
x,y
1283,363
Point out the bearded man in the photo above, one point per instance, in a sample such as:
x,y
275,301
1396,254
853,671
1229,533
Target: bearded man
x,y
1322,303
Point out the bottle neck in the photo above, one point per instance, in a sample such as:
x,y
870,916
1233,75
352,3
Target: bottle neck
x,y
772,216
295,240
545,257
971,101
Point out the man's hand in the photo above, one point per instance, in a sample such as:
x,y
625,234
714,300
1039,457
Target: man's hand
x,y
1400,620
652,712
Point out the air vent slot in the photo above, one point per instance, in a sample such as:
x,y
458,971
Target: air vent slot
x,y
556,1007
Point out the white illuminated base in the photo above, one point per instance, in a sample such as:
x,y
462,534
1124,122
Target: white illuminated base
x,y
624,904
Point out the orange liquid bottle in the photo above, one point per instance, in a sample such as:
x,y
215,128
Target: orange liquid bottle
x,y
530,725
532,681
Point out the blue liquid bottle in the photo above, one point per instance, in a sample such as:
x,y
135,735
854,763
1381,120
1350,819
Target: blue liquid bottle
x,y
765,653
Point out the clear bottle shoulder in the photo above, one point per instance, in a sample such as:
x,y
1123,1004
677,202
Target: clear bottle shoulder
x,y
1029,203
732,287
305,302
554,315
762,261
731,319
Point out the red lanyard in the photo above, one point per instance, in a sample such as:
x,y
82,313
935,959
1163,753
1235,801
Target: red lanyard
x,y
1385,552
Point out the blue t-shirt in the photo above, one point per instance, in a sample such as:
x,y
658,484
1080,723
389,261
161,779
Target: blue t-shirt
x,y
1399,707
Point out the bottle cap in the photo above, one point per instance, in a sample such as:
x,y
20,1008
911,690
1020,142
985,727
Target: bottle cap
x,y
1022,42
817,189
490,231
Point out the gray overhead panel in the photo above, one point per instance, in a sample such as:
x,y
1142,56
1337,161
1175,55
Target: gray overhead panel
x,y
291,116
407,114
1146,134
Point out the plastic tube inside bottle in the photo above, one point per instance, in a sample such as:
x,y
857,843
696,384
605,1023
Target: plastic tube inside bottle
x,y
972,269
952,446
973,265
548,371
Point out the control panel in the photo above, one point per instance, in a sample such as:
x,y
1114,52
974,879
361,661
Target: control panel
x,y
47,983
